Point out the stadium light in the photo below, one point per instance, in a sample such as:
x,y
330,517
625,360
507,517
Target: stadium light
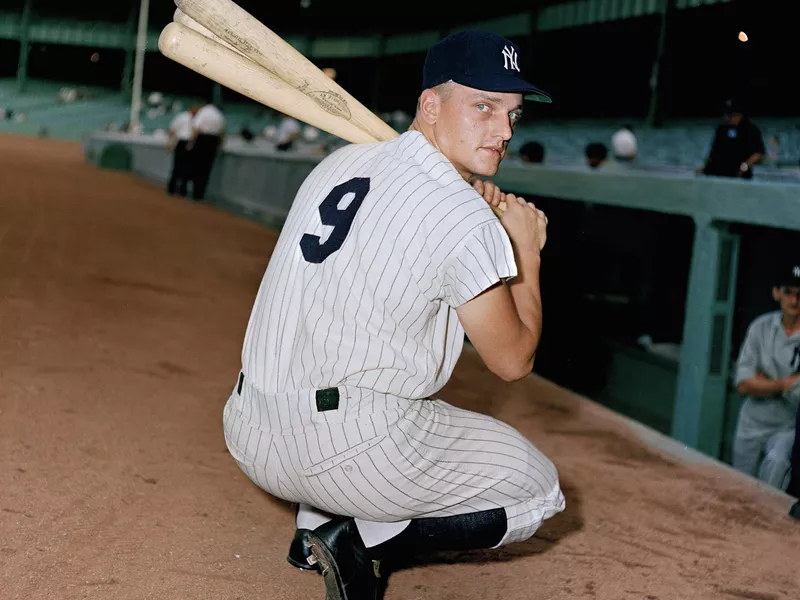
x,y
743,36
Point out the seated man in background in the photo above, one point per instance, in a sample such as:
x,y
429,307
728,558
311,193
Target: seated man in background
x,y
532,152
596,154
767,373
623,144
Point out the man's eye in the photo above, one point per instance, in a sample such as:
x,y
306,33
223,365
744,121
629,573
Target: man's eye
x,y
515,116
483,107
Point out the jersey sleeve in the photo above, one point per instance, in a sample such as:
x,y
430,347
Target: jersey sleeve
x,y
747,363
483,258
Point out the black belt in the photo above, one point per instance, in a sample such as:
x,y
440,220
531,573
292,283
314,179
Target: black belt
x,y
327,399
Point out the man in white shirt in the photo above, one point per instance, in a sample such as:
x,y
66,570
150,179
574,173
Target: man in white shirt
x,y
180,132
289,130
207,138
623,144
767,376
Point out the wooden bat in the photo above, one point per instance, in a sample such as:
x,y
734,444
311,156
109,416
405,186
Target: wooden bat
x,y
229,68
261,45
186,20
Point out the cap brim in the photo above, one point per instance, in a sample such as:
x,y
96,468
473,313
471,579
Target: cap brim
x,y
510,84
537,95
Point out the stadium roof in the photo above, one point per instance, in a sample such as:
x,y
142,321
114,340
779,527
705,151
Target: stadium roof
x,y
324,16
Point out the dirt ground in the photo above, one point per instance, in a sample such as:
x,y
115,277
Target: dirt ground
x,y
122,313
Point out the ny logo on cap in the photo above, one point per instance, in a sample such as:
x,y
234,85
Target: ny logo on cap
x,y
510,56
796,271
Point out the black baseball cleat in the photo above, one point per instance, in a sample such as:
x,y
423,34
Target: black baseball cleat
x,y
794,512
348,570
300,553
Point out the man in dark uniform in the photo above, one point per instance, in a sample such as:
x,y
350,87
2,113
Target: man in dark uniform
x,y
737,145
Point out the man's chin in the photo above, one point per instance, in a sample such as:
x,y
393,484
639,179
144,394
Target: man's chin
x,y
486,170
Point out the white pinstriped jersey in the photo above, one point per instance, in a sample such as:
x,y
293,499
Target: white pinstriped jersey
x,y
382,243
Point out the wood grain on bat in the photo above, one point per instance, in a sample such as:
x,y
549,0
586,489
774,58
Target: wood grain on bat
x,y
184,19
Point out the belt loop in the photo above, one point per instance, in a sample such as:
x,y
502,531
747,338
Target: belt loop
x,y
327,399
241,381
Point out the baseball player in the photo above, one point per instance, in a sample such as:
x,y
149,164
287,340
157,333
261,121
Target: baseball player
x,y
767,375
388,256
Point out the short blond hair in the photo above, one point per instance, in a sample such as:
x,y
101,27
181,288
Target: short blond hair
x,y
443,89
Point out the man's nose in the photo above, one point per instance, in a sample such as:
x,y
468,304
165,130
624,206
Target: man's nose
x,y
503,128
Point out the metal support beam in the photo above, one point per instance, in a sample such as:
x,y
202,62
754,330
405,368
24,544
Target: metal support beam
x,y
138,68
699,412
24,46
655,113
130,47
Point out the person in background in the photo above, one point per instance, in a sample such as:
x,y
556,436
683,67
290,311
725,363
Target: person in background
x,y
623,144
532,152
596,154
767,375
289,131
737,145
773,151
246,134
180,132
207,137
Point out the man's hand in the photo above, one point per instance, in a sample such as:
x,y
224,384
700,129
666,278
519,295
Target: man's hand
x,y
525,224
786,383
490,192
762,386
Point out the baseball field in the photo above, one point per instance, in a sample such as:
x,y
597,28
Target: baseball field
x,y
122,313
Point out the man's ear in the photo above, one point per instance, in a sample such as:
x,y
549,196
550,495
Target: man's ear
x,y
776,294
430,104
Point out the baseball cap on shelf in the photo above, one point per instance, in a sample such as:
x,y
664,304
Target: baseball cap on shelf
x,y
479,60
788,275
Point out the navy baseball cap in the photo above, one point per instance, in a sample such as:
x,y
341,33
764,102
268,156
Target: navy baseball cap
x,y
788,275
479,60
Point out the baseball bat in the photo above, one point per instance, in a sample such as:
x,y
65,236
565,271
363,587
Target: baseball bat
x,y
229,68
186,20
253,39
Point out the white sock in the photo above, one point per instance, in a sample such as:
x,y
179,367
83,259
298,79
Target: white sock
x,y
309,517
373,533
